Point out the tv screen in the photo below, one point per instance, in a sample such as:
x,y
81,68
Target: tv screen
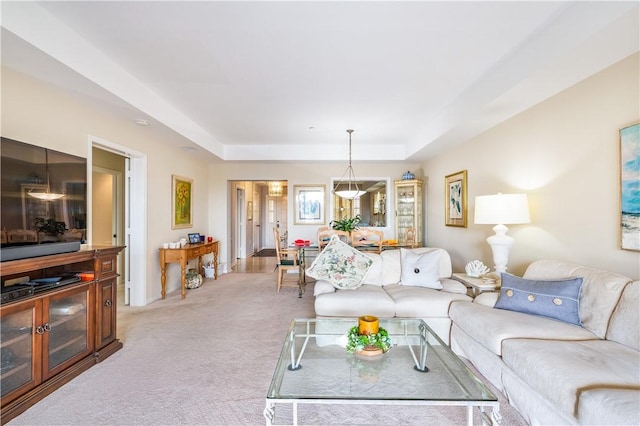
x,y
29,213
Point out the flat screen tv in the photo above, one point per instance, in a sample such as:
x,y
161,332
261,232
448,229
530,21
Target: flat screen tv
x,y
27,220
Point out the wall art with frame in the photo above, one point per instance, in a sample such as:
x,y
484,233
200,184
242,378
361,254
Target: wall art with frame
x,y
181,202
309,204
630,187
455,199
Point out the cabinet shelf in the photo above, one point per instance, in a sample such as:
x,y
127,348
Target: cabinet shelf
x,y
11,337
16,369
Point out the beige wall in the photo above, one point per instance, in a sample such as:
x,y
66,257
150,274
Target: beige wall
x,y
39,114
564,154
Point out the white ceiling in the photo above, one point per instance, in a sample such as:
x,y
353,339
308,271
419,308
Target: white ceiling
x,y
247,80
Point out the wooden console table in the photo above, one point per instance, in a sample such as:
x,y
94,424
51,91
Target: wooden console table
x,y
182,255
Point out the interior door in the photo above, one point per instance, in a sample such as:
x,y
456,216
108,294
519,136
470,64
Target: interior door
x,y
276,217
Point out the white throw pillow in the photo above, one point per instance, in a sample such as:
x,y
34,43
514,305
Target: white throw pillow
x,y
420,269
340,264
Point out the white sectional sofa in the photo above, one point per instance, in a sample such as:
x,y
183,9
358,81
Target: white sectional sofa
x,y
553,372
383,294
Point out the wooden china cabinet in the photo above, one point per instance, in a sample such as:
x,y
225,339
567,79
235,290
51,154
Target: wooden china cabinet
x,y
408,197
57,331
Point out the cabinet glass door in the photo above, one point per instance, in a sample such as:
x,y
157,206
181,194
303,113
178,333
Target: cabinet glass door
x,y
67,334
409,211
17,348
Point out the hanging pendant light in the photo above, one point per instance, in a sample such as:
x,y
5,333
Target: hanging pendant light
x,y
47,195
348,189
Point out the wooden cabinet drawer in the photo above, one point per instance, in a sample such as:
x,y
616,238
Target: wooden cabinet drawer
x,y
106,267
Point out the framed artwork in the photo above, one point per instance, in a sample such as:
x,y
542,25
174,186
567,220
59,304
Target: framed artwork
x,y
630,187
181,202
249,210
455,199
194,238
309,208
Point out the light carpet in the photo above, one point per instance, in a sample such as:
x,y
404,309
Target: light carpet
x,y
208,360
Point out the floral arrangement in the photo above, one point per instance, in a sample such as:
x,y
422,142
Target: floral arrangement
x,y
358,342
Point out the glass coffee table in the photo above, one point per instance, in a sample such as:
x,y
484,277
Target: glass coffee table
x,y
419,369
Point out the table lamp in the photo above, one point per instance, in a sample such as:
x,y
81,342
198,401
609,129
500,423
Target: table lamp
x,y
500,210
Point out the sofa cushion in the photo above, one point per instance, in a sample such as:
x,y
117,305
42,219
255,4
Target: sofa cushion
x,y
599,295
625,322
366,300
323,286
556,299
491,327
374,273
422,302
340,264
609,407
562,370
391,265
420,269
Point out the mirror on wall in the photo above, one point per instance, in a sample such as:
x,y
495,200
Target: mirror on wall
x,y
372,206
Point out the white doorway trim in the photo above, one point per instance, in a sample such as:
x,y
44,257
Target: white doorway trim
x,y
135,216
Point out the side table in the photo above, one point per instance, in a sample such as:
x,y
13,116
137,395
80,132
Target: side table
x,y
477,285
182,255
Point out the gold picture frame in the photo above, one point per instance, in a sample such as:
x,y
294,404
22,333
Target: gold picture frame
x,y
455,199
181,202
309,204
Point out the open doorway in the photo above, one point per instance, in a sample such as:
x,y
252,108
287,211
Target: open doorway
x,y
256,208
117,208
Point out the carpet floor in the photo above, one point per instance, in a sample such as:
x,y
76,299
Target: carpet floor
x,y
208,360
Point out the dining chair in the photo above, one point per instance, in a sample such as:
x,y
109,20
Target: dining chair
x,y
366,239
324,236
286,260
410,239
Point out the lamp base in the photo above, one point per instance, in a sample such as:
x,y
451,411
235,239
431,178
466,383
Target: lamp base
x,y
500,244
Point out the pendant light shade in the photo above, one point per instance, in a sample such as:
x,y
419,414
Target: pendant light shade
x,y
348,188
46,195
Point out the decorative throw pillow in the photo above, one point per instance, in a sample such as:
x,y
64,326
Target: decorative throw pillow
x,y
340,264
420,269
558,299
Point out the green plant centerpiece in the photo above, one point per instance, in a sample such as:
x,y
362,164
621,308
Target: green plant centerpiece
x,y
348,224
367,337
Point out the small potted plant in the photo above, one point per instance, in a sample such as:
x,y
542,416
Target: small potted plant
x,y
348,224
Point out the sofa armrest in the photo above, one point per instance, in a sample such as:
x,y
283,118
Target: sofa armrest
x,y
487,299
453,286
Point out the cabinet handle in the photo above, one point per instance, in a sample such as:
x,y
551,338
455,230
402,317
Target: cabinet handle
x,y
47,327
108,302
40,329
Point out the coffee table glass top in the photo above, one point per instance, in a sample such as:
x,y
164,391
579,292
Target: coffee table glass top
x,y
314,364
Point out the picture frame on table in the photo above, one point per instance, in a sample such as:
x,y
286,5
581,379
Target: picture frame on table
x,y
309,204
181,202
630,187
194,238
455,199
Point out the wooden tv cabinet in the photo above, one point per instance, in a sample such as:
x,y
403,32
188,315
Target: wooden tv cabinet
x,y
52,336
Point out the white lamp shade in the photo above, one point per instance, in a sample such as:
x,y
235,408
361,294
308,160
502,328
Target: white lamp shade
x,y
502,209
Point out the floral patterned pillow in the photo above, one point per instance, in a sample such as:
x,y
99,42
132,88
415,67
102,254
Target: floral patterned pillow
x,y
341,265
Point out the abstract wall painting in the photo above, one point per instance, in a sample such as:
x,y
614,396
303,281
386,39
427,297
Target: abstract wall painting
x,y
630,187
